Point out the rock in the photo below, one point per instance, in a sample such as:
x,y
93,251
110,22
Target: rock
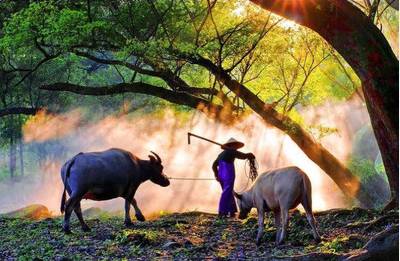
x,y
93,212
171,244
35,212
364,143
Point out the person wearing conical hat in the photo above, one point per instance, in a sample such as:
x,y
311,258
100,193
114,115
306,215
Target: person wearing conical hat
x,y
224,171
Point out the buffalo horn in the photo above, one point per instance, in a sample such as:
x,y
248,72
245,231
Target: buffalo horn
x,y
158,157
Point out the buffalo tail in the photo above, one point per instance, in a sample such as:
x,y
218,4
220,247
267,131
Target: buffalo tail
x,y
62,208
307,200
67,173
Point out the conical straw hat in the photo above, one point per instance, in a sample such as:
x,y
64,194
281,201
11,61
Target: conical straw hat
x,y
232,144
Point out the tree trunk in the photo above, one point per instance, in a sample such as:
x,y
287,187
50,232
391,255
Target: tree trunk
x,y
382,246
367,51
21,157
12,158
18,110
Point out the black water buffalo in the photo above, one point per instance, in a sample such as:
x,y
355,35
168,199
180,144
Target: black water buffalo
x,y
105,175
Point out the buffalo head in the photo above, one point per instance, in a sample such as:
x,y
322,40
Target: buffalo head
x,y
156,171
244,208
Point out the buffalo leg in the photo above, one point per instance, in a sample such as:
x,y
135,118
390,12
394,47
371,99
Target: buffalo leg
x,y
311,221
260,225
128,221
69,207
78,212
307,203
285,221
138,213
277,216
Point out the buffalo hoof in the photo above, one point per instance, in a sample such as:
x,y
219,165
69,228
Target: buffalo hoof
x,y
140,217
67,231
86,228
258,242
128,223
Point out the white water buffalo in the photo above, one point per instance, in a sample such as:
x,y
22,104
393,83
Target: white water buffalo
x,y
105,175
278,190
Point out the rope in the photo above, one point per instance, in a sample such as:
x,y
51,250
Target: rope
x,y
253,169
252,175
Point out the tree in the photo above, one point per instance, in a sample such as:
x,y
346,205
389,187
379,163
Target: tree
x,y
169,52
365,48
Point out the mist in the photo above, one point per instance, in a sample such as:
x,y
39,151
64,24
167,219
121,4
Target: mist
x,y
166,134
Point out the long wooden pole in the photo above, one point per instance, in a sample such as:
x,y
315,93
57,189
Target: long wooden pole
x,y
197,136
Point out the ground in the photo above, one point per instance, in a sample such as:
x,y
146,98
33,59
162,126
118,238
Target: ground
x,y
188,236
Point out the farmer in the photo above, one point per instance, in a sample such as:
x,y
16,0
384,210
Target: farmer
x,y
224,171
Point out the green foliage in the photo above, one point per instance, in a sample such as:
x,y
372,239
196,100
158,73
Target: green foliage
x,y
364,169
187,29
250,221
64,27
220,222
4,172
334,246
44,23
379,167
376,187
320,131
140,237
288,66
181,227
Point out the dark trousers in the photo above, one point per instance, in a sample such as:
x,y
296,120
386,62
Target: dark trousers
x,y
226,175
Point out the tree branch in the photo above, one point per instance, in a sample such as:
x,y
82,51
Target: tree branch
x,y
37,66
118,62
168,76
176,97
18,110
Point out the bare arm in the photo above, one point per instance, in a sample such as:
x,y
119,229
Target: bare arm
x,y
241,155
215,169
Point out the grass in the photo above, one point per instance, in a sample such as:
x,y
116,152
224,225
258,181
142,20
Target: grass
x,y
183,236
